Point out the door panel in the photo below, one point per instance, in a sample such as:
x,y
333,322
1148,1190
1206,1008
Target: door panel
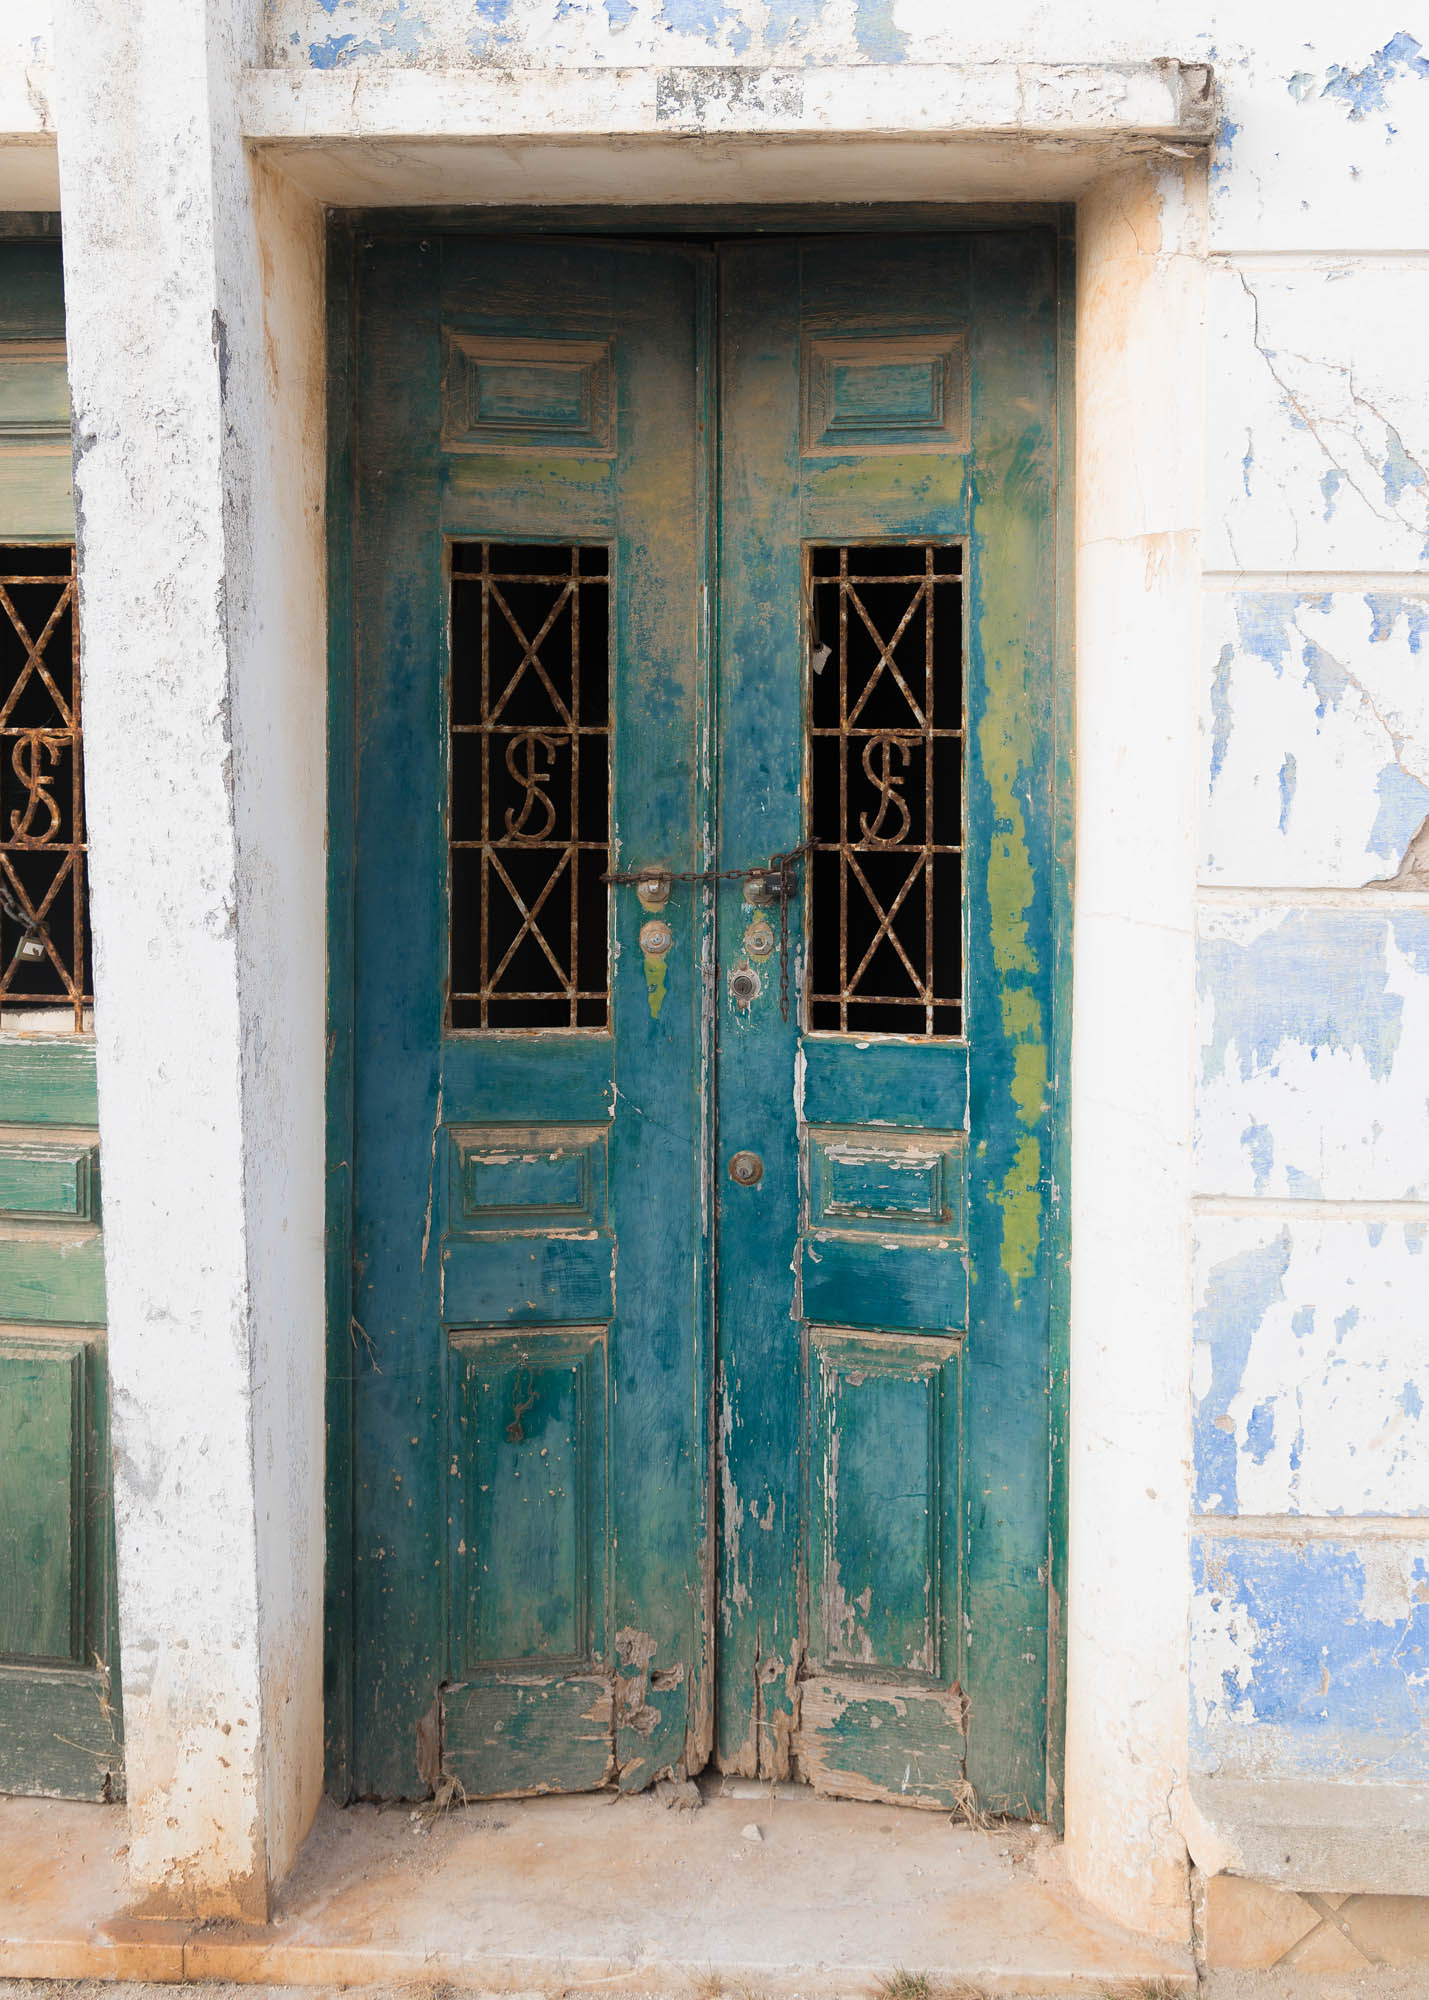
x,y
532,1468
885,678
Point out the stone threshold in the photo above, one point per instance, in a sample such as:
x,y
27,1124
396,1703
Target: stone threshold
x,y
762,1892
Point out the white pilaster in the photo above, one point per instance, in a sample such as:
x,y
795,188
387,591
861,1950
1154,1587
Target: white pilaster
x,y
1141,275
193,286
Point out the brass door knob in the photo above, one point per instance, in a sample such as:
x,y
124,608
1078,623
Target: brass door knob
x,y
747,1169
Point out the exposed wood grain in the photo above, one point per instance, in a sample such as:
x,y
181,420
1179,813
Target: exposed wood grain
x,y
48,1080
52,1276
38,1179
59,1737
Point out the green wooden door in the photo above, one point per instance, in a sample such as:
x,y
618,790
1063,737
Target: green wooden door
x,y
59,1667
699,1229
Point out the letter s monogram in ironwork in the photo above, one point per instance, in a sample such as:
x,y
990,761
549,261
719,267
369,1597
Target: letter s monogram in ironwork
x,y
532,778
30,770
890,790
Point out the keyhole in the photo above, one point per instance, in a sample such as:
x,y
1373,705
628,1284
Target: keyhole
x,y
744,985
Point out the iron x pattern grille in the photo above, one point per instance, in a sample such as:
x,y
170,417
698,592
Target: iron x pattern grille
x,y
44,923
885,776
529,786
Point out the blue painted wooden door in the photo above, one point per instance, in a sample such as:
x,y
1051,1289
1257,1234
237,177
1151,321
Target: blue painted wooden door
x,y
702,1093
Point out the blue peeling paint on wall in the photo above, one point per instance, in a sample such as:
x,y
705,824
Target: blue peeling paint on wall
x,y
1388,607
1287,787
1263,624
1221,718
788,20
1400,472
1238,1294
1260,1431
707,18
1227,132
491,26
329,53
874,31
397,28
1326,675
1403,805
1311,1660
1259,1143
1319,977
1362,91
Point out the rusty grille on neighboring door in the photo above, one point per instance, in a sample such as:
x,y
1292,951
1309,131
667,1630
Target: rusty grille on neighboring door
x,y
885,781
44,917
529,786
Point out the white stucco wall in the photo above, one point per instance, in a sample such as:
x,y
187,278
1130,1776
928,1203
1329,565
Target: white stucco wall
x,y
1253,604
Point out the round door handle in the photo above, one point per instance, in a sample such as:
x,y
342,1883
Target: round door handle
x,y
656,938
747,1169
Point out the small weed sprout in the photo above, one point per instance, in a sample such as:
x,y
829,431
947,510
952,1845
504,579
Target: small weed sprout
x,y
903,1985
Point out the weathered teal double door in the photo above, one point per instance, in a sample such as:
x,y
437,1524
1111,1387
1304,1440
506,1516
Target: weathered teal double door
x,y
702,1100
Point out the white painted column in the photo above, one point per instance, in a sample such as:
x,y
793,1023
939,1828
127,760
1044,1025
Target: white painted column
x,y
1141,276
194,290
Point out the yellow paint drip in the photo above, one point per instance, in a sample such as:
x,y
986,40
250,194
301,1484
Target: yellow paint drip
x,y
655,982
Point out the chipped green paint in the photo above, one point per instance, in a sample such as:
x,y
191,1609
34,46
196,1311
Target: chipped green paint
x,y
542,482
1020,1199
915,1372
655,981
1009,762
513,1348
866,1401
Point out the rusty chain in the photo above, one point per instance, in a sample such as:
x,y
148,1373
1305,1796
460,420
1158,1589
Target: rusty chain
x,y
778,871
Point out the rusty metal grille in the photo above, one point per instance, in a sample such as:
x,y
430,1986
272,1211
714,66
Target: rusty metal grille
x,y
885,778
529,786
44,917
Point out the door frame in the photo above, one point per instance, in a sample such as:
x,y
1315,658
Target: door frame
x,y
345,229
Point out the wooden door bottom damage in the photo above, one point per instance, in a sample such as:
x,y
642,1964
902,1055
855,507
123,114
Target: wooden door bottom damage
x,y
503,1740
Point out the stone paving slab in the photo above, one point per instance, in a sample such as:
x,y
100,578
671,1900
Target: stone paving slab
x,y
763,1894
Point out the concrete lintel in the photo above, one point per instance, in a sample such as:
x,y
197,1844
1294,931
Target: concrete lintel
x,y
1165,100
1313,1834
868,131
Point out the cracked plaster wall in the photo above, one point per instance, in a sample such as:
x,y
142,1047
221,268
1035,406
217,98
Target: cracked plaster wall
x,y
1313,978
